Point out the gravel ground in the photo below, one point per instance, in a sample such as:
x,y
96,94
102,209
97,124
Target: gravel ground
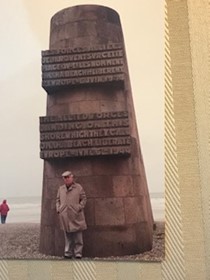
x,y
21,241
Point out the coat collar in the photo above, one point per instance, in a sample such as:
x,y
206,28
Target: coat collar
x,y
73,185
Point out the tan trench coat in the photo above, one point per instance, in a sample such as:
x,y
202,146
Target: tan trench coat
x,y
70,204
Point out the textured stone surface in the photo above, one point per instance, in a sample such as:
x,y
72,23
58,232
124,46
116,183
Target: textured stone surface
x,y
135,210
109,211
118,239
123,186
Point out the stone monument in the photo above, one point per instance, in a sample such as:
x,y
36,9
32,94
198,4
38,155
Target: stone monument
x,y
90,129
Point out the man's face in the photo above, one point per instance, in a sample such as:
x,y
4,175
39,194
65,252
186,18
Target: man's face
x,y
68,179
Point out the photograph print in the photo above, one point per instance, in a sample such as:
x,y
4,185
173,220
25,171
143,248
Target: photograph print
x,y
83,176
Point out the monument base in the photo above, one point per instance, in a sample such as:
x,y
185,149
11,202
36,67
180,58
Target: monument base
x,y
118,241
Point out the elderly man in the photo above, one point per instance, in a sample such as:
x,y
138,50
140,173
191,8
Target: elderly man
x,y
70,202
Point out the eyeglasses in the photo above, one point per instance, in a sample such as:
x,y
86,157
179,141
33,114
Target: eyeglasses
x,y
65,177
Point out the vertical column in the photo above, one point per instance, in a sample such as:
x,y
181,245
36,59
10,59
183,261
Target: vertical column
x,y
90,129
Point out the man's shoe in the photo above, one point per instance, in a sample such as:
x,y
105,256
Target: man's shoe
x,y
67,257
78,257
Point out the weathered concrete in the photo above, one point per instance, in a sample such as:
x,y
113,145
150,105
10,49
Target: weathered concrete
x,y
90,129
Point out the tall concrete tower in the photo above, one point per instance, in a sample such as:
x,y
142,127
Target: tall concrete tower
x,y
90,128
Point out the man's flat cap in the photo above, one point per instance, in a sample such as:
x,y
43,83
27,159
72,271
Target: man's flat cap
x,y
66,173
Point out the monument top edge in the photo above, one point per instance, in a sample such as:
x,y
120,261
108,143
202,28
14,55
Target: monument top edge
x,y
83,11
87,7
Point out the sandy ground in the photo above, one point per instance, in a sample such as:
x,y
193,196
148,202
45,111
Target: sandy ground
x,y
21,241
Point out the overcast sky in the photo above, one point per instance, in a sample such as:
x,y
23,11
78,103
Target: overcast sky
x,y
24,29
